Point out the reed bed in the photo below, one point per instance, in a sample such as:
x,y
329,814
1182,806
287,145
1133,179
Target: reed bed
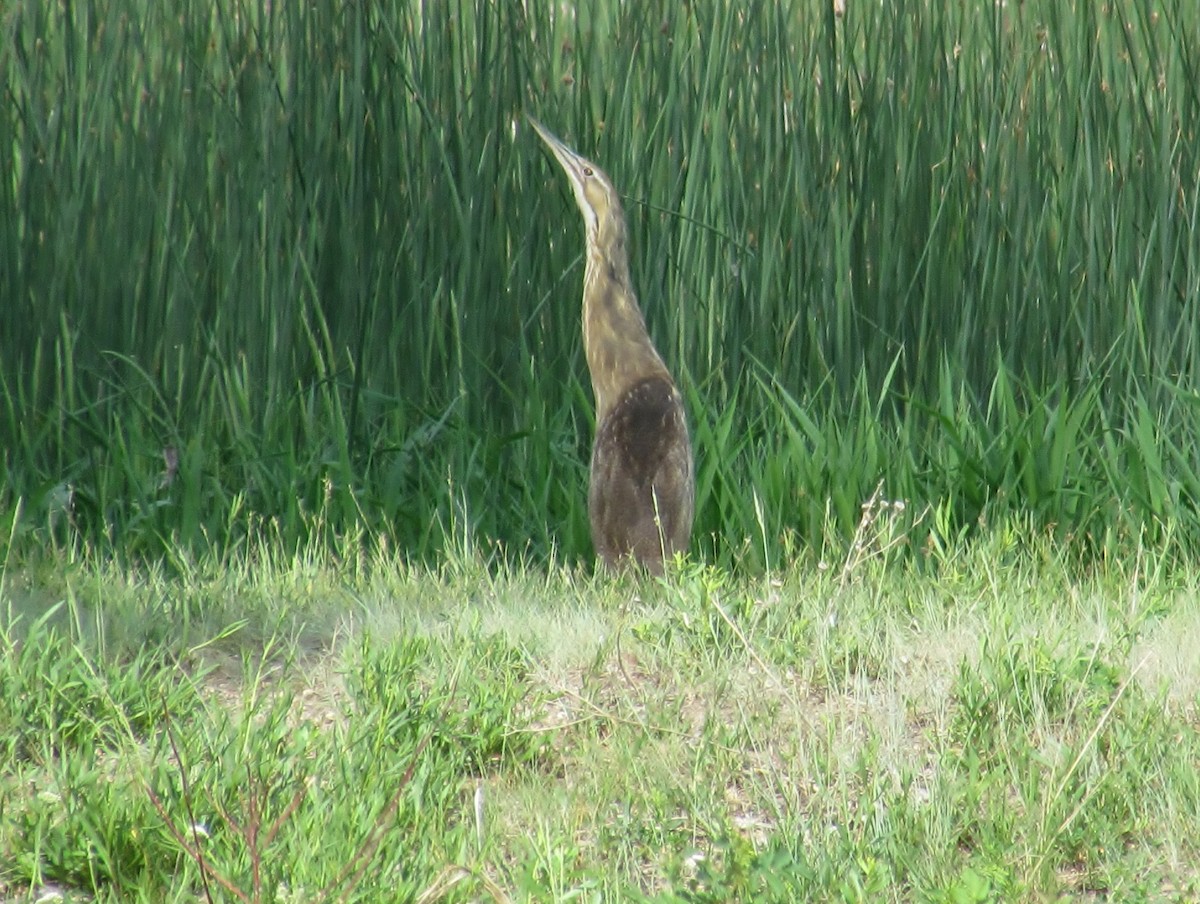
x,y
301,269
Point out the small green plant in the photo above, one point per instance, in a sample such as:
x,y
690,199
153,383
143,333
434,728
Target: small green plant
x,y
82,821
73,722
476,715
731,870
55,696
971,887
1024,682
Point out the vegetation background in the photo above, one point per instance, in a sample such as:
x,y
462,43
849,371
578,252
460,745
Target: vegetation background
x,y
295,422
263,260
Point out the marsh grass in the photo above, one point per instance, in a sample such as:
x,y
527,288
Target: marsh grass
x,y
268,260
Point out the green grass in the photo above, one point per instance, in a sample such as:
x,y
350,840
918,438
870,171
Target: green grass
x,y
297,587
994,726
272,260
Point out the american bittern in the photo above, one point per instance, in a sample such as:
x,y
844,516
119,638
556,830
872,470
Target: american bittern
x,y
640,493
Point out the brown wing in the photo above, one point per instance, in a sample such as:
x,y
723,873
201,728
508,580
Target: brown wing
x,y
641,496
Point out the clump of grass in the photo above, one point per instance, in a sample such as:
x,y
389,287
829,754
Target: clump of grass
x,y
73,813
220,783
270,802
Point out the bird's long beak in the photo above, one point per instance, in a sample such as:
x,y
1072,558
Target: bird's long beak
x,y
574,165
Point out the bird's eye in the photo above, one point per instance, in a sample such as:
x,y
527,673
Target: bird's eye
x,y
587,171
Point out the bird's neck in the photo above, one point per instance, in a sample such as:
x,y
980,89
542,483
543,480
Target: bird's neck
x,y
619,350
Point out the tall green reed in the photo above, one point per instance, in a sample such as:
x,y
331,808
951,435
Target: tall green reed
x,y
267,260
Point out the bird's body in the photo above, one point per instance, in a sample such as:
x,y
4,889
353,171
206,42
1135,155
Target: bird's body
x,y
641,488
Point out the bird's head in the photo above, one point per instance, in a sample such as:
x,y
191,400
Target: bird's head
x,y
594,192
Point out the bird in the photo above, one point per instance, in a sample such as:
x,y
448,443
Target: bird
x,y
641,483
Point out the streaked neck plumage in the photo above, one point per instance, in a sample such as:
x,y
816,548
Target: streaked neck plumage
x,y
619,351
